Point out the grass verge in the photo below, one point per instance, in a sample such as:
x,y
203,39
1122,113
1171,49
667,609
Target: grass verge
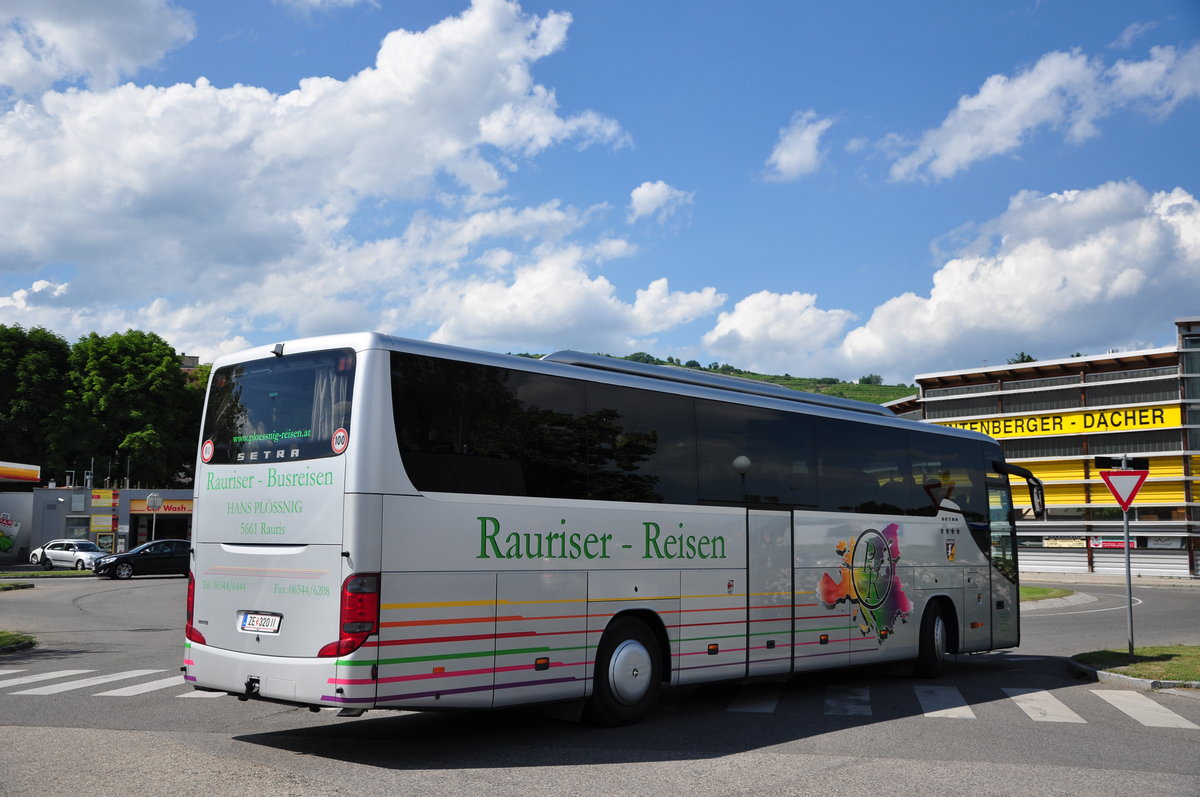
x,y
1170,663
10,638
46,573
1042,593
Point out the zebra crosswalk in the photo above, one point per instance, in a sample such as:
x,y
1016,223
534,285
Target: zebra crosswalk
x,y
936,702
943,702
73,683
1041,706
947,702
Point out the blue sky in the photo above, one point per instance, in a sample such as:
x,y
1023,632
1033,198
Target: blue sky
x,y
822,189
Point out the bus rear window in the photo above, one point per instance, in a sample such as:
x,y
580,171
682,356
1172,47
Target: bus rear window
x,y
281,408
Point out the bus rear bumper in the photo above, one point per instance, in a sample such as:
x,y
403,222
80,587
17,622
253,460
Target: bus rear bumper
x,y
296,681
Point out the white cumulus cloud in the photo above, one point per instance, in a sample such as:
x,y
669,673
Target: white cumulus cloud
x,y
1064,272
798,151
658,200
776,333
1066,92
1056,273
554,302
43,42
244,194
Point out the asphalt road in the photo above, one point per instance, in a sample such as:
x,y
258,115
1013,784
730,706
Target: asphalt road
x,y
1012,723
1164,613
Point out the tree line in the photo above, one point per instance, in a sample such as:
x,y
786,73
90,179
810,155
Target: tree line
x,y
120,406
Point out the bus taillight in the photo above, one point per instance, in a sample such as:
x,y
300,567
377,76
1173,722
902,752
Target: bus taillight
x,y
359,614
190,629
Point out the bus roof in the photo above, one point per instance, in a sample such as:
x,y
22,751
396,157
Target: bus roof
x,y
596,362
716,381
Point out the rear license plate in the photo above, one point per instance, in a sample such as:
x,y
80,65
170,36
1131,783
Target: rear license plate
x,y
259,623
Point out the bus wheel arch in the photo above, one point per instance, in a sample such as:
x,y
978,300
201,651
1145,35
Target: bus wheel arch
x,y
630,669
937,637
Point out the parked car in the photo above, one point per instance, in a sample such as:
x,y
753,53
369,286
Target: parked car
x,y
79,554
152,558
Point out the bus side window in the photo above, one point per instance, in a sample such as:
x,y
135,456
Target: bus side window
x,y
641,445
948,468
778,444
862,467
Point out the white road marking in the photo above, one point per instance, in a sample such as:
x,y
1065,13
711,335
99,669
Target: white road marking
x,y
943,701
138,689
1144,710
1042,706
44,676
86,682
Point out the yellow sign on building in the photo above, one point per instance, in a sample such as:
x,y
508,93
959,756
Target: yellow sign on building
x,y
1089,421
100,523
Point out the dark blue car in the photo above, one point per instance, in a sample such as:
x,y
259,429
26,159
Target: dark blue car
x,y
157,557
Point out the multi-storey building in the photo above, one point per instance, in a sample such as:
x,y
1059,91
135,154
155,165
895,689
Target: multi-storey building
x,y
1056,417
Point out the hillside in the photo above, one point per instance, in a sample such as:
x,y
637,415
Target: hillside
x,y
876,394
867,389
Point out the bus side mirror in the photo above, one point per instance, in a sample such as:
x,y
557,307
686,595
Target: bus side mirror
x,y
1037,493
1037,497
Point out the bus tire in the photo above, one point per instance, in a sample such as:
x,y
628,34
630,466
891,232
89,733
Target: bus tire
x,y
628,675
931,655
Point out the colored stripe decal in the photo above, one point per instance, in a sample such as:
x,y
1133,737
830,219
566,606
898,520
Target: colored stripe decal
x,y
456,691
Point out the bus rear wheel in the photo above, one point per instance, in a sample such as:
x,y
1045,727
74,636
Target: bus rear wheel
x,y
628,675
931,656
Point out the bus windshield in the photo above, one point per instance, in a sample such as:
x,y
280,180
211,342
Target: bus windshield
x,y
280,408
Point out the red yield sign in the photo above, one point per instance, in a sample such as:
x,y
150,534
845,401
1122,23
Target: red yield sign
x,y
1124,484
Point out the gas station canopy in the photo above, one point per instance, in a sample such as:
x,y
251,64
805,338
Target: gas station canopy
x,y
16,473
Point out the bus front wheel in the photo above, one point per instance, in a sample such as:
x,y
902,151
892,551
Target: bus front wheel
x,y
628,674
931,656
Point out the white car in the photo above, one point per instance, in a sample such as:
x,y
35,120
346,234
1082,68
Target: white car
x,y
77,554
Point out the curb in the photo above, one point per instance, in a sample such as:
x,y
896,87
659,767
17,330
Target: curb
x,y
1105,676
5,587
18,646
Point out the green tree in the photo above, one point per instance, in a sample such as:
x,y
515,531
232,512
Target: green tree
x,y
131,408
1021,357
33,382
870,379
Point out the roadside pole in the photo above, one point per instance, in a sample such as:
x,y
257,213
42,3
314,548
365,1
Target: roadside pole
x,y
154,503
1128,571
1124,485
